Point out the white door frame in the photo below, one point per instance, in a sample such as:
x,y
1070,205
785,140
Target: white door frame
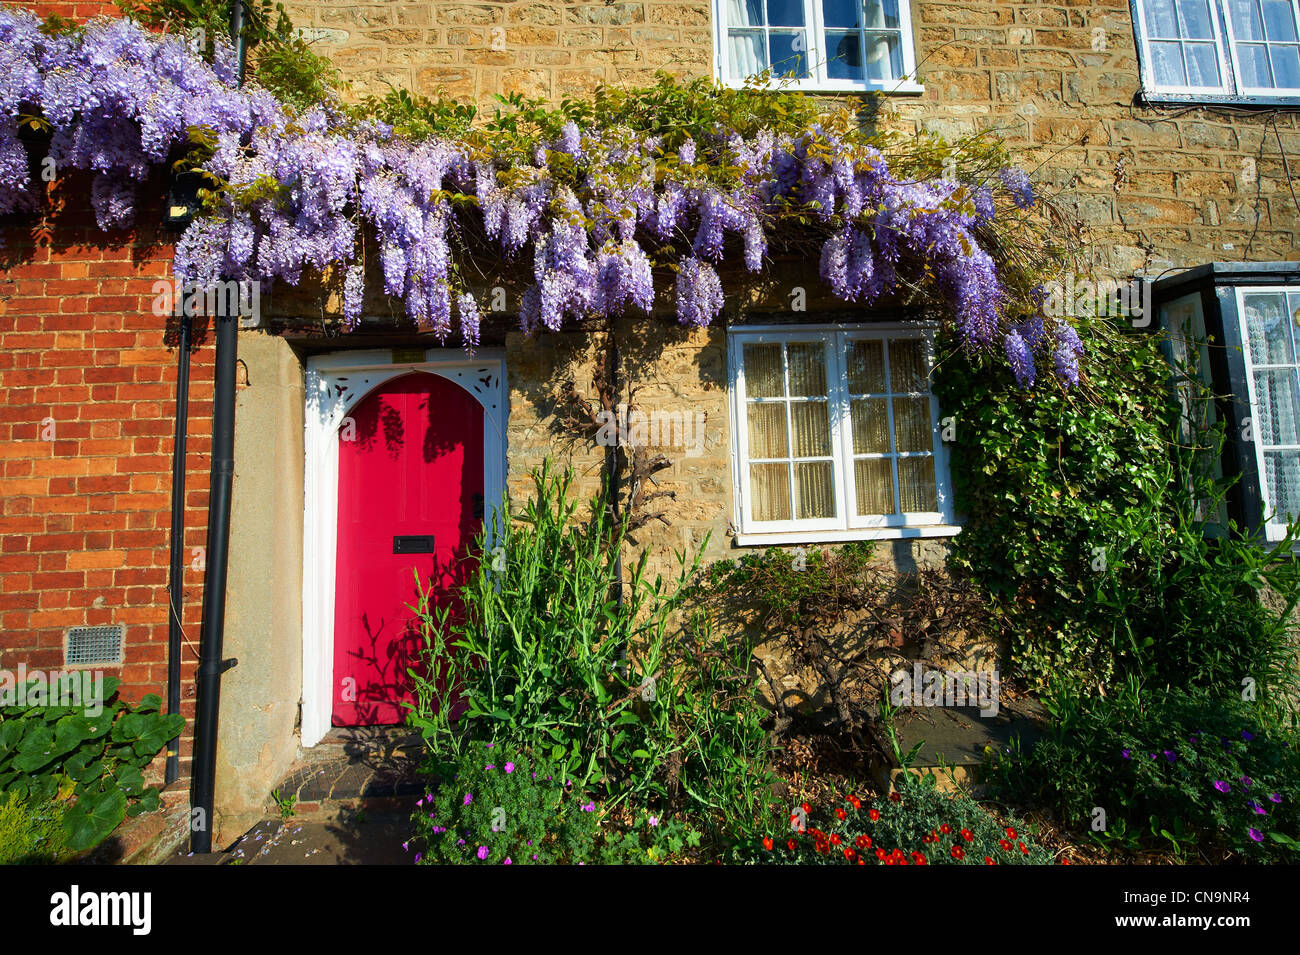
x,y
335,384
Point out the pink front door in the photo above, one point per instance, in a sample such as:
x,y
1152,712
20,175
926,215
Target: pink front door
x,y
410,500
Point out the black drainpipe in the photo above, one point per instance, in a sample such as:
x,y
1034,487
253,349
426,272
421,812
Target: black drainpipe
x,y
211,666
175,581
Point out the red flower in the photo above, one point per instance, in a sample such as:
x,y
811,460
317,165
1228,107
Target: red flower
x,y
1065,860
1011,833
1022,848
881,854
967,835
791,845
918,858
835,838
958,852
855,802
989,861
863,842
895,797
849,854
767,843
1006,846
840,814
807,808
945,828
875,814
861,861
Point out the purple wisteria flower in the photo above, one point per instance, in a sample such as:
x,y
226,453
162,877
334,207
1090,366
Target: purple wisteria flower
x,y
1018,184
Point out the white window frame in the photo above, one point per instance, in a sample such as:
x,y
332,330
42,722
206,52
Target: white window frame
x,y
1225,44
817,81
844,525
1273,531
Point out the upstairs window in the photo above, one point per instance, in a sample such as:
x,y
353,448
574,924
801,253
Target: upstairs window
x,y
1200,50
816,44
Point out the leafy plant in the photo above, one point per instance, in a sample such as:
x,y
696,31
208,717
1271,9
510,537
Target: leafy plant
x,y
94,763
1165,767
915,825
32,831
285,803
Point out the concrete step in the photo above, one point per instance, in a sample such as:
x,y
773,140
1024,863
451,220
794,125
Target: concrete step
x,y
374,769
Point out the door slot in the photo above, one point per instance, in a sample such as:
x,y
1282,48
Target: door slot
x,y
413,544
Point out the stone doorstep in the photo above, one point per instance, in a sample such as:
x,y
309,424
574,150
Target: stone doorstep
x,y
350,768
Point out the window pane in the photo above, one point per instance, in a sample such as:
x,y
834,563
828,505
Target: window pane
x,y
1268,329
866,368
1282,474
912,427
1162,21
807,369
843,13
1246,24
788,54
785,13
1196,19
870,426
843,55
767,435
763,377
1278,407
1279,19
745,13
770,486
812,429
815,485
1286,66
907,371
1167,64
1202,64
874,478
883,14
1254,64
916,490
884,58
748,54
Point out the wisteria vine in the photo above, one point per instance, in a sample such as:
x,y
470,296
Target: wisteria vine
x,y
594,211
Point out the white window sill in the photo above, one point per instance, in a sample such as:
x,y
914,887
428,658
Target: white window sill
x,y
752,539
901,88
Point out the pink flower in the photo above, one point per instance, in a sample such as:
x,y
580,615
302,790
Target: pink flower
x,y
510,767
483,852
508,861
654,820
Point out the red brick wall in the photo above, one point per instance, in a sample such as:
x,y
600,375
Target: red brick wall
x,y
85,517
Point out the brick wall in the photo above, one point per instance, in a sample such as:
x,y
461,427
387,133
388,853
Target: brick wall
x,y
87,417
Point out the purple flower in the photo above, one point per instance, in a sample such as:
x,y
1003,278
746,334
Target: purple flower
x,y
1255,805
490,766
1171,756
1247,735
510,767
1222,786
490,745
654,820
589,807
418,856
508,861
1126,754
1247,781
1255,834
438,830
483,852
1275,797
406,847
534,856
469,798
1017,183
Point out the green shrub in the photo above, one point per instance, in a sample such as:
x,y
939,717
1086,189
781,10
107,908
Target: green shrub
x,y
32,831
49,752
496,806
1168,767
545,659
917,825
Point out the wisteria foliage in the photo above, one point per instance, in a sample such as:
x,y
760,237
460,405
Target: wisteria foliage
x,y
593,213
